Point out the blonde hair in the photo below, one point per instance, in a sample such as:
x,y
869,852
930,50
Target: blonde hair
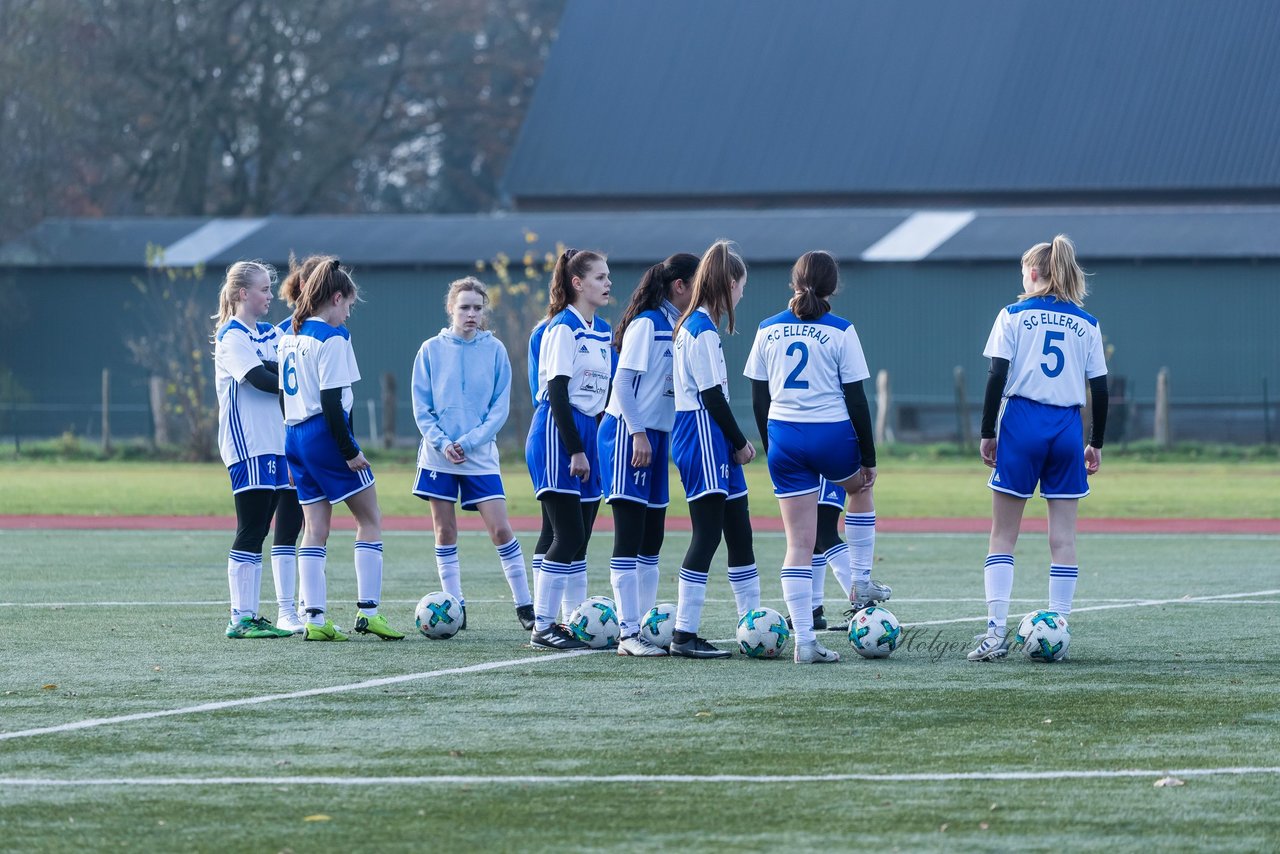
x,y
463,285
720,267
241,274
1057,272
325,279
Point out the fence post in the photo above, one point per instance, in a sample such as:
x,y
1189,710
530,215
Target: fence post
x,y
884,433
106,410
1266,414
964,433
371,407
159,418
388,410
1162,436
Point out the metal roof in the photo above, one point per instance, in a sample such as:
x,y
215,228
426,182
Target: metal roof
x,y
869,235
934,99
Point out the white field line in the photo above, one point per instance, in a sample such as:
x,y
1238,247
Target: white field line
x,y
710,601
1144,603
296,695
579,779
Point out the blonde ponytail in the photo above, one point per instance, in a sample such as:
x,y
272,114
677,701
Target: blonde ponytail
x,y
241,274
1058,274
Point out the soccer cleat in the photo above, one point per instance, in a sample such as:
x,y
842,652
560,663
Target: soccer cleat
x,y
991,648
249,627
376,625
290,622
464,618
639,647
815,653
524,613
555,637
697,647
327,632
819,620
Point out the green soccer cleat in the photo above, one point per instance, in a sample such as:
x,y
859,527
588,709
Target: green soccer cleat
x,y
376,625
327,632
250,627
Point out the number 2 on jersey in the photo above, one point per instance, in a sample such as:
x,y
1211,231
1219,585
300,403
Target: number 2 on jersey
x,y
1050,350
793,378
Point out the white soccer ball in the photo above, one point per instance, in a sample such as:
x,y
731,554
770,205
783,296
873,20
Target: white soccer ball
x,y
762,633
438,615
1044,636
659,624
595,623
874,632
604,600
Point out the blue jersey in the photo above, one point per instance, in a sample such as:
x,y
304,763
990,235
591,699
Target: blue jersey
x,y
319,357
647,349
699,361
535,350
1053,347
571,347
806,363
249,423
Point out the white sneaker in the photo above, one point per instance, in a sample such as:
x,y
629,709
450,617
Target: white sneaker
x,y
290,622
639,647
873,594
991,648
815,653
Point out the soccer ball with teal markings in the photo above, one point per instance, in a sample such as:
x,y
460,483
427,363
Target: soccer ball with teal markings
x,y
1044,636
595,623
659,624
438,616
762,633
874,632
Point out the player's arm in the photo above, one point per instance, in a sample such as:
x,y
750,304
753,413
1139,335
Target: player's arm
x,y
760,401
997,376
855,402
336,419
262,379
495,415
424,406
718,408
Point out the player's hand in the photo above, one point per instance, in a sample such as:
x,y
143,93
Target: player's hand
x,y
868,478
988,448
745,454
641,451
454,453
579,467
1092,459
358,462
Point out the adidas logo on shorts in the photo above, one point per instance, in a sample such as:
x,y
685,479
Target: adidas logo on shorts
x,y
582,349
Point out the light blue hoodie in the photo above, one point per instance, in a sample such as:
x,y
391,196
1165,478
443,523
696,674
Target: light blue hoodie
x,y
461,393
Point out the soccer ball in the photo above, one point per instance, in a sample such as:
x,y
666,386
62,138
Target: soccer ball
x,y
438,616
874,632
595,623
659,624
604,600
1044,636
762,633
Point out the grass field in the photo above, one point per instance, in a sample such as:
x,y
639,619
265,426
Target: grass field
x,y
1173,667
907,488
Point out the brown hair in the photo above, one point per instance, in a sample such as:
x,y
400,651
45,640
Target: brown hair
x,y
1057,272
239,275
814,277
325,279
291,285
571,263
654,287
468,283
720,267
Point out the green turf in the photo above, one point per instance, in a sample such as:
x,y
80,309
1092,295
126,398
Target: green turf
x,y
1177,685
907,488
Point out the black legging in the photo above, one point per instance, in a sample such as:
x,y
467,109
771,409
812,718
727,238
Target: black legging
x,y
254,508
288,518
571,520
712,516
637,529
828,528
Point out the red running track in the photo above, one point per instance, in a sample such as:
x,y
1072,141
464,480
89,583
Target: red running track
x,y
469,522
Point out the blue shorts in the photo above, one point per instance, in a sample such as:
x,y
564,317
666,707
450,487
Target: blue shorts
x,y
549,462
703,457
829,493
474,488
319,470
1037,442
623,482
801,454
265,472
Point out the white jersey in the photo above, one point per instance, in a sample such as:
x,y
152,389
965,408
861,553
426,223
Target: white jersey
x,y
573,348
647,350
699,361
1053,347
806,363
249,423
316,358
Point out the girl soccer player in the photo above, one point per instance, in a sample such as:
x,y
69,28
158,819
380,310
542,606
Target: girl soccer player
x,y
574,366
807,368
461,396
317,370
250,435
709,450
634,441
847,560
1042,349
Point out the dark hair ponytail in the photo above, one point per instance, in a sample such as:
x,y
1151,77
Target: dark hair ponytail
x,y
571,263
654,287
325,279
814,277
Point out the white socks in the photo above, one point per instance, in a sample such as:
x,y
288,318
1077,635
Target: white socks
x,y
818,566
1062,587
693,592
550,585
647,574
860,533
997,576
745,581
242,569
838,557
626,590
575,588
311,582
450,574
513,568
368,576
797,587
284,571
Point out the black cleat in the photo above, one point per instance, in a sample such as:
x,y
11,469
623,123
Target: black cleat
x,y
524,613
556,637
696,647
